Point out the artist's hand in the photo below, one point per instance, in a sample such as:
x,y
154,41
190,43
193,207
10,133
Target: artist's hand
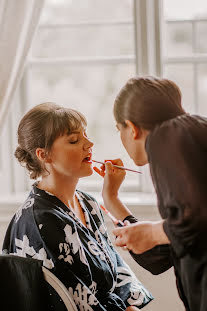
x,y
139,237
132,308
113,177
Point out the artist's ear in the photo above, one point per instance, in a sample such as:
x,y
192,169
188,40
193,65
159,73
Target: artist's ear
x,y
135,130
42,155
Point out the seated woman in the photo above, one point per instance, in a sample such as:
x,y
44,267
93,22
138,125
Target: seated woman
x,y
63,226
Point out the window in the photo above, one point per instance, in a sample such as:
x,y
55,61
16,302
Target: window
x,y
83,53
185,50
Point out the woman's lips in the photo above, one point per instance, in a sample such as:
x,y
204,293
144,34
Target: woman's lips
x,y
88,159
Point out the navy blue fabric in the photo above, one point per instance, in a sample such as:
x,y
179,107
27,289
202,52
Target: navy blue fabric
x,y
82,257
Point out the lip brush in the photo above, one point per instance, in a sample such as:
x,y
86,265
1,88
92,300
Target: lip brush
x,y
120,167
117,222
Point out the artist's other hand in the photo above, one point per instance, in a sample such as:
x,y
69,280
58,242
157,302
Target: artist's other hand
x,y
113,177
136,237
141,236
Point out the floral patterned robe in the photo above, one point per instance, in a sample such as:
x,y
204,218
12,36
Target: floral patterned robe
x,y
82,257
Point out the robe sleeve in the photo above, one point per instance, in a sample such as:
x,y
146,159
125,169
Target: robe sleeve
x,y
177,153
132,291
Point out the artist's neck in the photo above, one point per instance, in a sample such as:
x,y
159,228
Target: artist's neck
x,y
62,187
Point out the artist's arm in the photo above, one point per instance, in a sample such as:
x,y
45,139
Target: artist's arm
x,y
149,234
156,260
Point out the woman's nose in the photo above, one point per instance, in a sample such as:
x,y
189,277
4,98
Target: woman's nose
x,y
89,144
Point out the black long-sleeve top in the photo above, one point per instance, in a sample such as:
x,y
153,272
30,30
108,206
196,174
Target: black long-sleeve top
x,y
177,155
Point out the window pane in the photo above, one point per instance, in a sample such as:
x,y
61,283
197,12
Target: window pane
x,y
201,37
177,39
84,41
202,88
92,91
183,76
185,9
63,11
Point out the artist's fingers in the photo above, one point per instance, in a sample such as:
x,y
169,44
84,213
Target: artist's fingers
x,y
116,162
118,231
120,242
109,167
100,172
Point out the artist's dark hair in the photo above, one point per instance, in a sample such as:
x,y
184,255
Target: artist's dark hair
x,y
39,128
147,102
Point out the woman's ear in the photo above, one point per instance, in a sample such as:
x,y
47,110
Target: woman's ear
x,y
135,130
42,155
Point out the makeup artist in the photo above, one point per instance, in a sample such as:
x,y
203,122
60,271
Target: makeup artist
x,y
155,129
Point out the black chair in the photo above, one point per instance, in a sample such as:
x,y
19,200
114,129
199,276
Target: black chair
x,y
28,286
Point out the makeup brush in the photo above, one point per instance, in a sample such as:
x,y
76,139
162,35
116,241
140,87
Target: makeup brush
x,y
120,167
117,222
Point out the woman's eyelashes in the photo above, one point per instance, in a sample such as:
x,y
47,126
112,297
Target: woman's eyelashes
x,y
74,142
73,139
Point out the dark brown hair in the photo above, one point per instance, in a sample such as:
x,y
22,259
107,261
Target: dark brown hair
x,y
39,128
147,102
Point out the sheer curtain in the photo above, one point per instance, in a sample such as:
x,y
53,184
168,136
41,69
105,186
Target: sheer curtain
x,y
18,22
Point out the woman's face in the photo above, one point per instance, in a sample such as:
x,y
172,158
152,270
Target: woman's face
x,y
133,140
71,155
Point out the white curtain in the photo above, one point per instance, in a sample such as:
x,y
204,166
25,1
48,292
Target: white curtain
x,y
18,22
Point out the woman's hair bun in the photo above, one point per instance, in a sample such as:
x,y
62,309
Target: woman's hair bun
x,y
22,155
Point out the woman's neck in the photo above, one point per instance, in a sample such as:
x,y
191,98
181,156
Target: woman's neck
x,y
64,189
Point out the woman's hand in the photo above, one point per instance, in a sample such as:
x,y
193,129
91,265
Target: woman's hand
x,y
141,236
113,177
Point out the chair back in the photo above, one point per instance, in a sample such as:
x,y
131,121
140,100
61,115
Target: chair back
x,y
60,288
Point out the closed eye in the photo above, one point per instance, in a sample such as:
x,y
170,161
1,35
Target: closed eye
x,y
73,142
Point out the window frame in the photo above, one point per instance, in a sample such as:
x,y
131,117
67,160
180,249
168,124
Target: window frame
x,y
148,20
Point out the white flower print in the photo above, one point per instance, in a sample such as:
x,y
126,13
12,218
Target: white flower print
x,y
125,275
65,251
84,298
136,298
23,249
93,248
76,246
28,203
